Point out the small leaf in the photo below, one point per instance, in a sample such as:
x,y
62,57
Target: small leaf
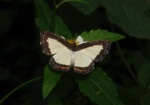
x,y
50,80
99,88
144,74
101,35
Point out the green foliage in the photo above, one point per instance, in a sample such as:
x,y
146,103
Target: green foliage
x,y
45,17
62,29
47,21
131,15
99,88
101,35
50,80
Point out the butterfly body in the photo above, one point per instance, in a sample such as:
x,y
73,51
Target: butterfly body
x,y
73,54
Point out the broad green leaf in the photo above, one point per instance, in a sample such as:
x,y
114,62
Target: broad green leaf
x,y
144,74
101,35
131,15
99,88
50,80
87,9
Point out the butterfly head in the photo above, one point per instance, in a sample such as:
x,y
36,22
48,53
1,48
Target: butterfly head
x,y
76,42
73,42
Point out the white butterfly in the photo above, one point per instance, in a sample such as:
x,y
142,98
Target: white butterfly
x,y
71,53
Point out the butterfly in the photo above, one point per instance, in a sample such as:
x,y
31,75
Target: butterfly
x,y
73,53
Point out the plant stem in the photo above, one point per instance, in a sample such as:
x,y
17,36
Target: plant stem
x,y
126,64
18,87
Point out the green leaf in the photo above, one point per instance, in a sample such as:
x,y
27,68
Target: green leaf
x,y
50,80
131,15
62,29
44,16
101,35
144,74
99,88
47,21
87,9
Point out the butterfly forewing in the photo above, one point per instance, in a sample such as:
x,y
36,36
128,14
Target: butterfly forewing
x,y
58,47
96,50
52,44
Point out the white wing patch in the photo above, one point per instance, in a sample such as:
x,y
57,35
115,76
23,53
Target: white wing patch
x,y
55,46
93,51
61,61
81,60
82,63
63,58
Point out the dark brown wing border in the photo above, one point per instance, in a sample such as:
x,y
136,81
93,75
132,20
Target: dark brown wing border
x,y
106,46
44,44
84,70
57,66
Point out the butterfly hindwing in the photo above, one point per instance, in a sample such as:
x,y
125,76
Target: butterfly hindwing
x,y
82,63
61,61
